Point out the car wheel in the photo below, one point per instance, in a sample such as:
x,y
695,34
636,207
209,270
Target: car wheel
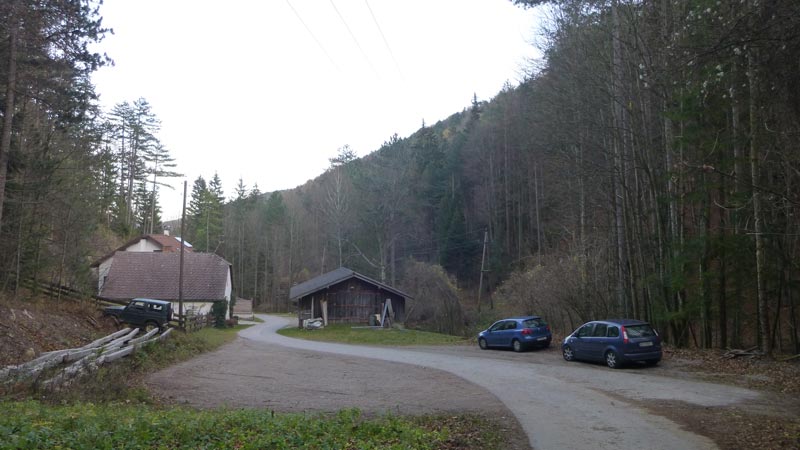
x,y
568,354
611,359
482,344
516,345
149,326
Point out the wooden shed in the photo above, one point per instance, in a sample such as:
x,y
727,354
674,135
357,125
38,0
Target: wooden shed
x,y
346,296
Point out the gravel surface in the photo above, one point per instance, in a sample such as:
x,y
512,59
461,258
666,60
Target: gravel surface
x,y
558,404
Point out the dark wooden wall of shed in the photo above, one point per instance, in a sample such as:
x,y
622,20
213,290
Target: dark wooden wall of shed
x,y
353,301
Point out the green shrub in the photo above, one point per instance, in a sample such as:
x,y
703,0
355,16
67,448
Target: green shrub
x,y
218,310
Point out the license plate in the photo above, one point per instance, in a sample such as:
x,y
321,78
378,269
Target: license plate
x,y
645,344
543,338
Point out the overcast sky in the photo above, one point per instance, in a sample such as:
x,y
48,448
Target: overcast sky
x,y
268,90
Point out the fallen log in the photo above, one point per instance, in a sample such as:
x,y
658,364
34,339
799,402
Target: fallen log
x,y
94,344
109,357
121,341
735,353
85,359
108,338
165,334
144,337
33,368
72,372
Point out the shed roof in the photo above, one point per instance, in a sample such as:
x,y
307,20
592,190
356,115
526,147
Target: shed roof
x,y
155,275
334,277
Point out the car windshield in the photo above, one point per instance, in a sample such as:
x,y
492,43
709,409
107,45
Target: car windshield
x,y
636,331
532,323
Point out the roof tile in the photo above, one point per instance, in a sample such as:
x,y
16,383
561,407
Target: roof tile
x,y
156,275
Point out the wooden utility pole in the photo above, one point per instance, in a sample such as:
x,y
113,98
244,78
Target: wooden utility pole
x,y
181,322
483,261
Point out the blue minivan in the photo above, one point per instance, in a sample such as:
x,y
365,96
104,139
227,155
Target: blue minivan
x,y
613,341
518,333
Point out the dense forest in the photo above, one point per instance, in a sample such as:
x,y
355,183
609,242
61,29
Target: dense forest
x,y
646,167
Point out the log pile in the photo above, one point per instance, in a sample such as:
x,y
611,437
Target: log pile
x,y
751,352
77,362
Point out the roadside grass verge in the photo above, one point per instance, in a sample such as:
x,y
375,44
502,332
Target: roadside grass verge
x,y
345,333
33,424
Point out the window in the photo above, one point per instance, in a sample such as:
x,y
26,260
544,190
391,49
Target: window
x,y
533,323
585,330
613,331
138,305
497,326
156,307
600,330
637,331
511,325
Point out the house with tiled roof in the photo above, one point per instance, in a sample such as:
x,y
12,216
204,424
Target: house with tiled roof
x,y
163,243
207,278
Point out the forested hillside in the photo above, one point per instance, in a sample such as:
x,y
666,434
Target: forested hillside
x,y
646,167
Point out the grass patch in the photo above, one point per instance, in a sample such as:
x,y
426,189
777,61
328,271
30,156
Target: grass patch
x,y
372,336
36,425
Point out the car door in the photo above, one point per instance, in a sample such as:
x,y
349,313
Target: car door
x,y
135,312
493,336
508,332
596,343
155,311
578,341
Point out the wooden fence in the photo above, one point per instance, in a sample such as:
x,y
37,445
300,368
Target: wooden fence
x,y
54,290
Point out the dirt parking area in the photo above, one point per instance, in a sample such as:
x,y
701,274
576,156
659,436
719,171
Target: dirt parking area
x,y
253,374
245,374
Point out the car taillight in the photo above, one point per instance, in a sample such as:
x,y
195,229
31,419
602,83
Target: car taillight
x,y
526,331
624,335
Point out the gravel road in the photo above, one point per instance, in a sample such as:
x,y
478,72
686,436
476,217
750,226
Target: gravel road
x,y
559,406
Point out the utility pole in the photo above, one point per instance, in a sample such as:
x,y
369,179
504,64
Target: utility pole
x,y
483,261
181,322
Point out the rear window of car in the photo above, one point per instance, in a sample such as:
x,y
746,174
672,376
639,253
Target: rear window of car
x,y
637,331
532,323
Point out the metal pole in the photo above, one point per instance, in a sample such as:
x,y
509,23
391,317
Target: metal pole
x,y
483,259
181,321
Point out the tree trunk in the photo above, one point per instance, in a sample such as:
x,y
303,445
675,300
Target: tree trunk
x,y
763,310
8,117
618,172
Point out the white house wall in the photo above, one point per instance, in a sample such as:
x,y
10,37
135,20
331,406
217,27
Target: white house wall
x,y
143,245
193,308
228,291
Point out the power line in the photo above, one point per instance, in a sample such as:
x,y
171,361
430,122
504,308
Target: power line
x,y
391,53
312,35
354,37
